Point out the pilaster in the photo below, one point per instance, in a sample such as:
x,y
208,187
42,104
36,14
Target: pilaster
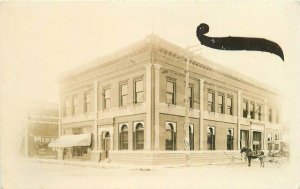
x,y
239,120
95,108
201,100
148,126
156,107
265,143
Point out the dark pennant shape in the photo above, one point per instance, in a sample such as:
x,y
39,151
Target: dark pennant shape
x,y
237,43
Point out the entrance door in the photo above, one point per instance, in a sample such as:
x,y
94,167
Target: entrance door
x,y
244,138
106,144
256,140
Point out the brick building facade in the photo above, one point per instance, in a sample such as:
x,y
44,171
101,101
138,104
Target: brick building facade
x,y
132,102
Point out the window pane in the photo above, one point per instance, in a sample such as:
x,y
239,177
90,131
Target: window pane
x,y
124,90
220,99
139,97
190,92
210,97
245,105
107,103
124,100
170,98
170,87
229,101
107,93
139,86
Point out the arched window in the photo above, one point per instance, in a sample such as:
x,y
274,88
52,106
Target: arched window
x,y
191,134
124,137
170,136
139,136
106,140
211,138
229,139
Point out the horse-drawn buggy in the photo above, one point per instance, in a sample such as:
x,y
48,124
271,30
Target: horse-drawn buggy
x,y
278,154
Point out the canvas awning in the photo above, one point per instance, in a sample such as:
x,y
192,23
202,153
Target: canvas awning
x,y
71,140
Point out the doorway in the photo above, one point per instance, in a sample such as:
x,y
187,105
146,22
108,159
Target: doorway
x,y
106,144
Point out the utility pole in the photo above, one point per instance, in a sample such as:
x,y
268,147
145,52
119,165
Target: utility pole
x,y
187,107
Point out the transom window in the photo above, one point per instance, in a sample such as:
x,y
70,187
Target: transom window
x,y
170,92
210,101
138,91
123,94
107,100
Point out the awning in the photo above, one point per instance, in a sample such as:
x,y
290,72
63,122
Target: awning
x,y
71,140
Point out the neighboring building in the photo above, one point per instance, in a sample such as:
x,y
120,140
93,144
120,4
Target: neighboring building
x,y
41,128
132,101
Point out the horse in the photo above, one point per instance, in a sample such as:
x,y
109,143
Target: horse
x,y
253,155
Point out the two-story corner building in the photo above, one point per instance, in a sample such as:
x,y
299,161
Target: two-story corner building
x,y
131,104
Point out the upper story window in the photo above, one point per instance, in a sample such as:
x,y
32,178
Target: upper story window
x,y
170,92
252,111
245,108
191,96
107,100
230,139
87,101
220,103
258,112
123,94
210,101
138,91
277,116
67,107
211,143
270,115
75,104
229,105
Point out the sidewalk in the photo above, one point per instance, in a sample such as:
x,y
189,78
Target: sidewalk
x,y
107,164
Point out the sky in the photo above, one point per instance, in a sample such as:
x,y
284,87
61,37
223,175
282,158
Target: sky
x,y
39,41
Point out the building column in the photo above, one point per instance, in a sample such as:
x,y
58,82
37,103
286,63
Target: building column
x,y
148,84
112,141
239,120
265,143
60,114
201,107
95,102
156,107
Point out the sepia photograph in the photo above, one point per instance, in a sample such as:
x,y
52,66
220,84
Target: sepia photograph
x,y
150,94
